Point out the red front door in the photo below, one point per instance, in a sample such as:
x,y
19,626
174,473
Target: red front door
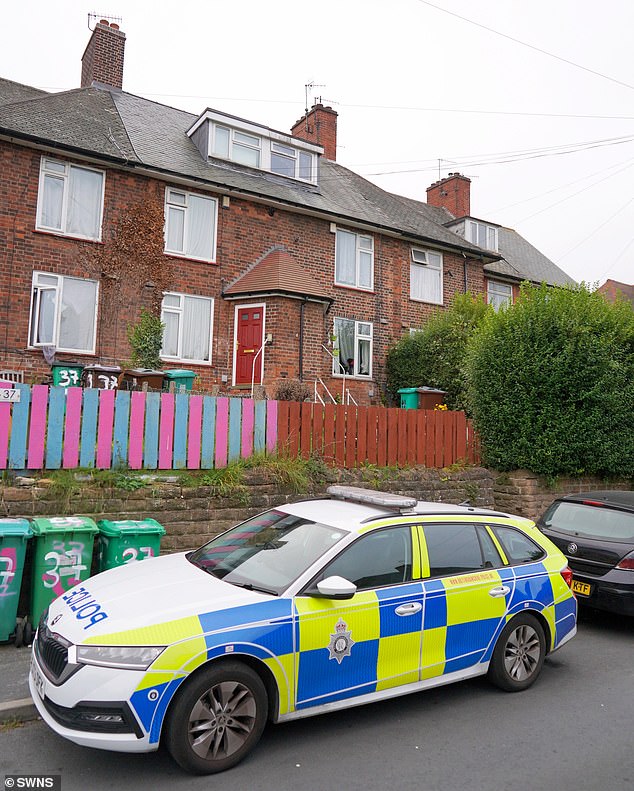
x,y
249,334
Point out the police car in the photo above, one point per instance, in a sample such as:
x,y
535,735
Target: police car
x,y
304,609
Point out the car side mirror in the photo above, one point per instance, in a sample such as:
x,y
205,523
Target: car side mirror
x,y
336,588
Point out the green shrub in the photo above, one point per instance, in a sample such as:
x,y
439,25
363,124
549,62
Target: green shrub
x,y
434,357
146,339
551,384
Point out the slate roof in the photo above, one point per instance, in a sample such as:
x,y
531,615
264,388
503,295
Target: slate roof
x,y
110,124
277,271
521,260
16,92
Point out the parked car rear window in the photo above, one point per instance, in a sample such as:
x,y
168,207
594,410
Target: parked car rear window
x,y
590,521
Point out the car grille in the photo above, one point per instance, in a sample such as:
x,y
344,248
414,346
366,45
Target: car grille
x,y
53,654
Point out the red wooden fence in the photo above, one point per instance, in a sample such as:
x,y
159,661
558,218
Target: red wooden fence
x,y
350,436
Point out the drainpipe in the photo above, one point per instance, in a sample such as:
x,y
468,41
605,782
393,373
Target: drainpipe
x,y
464,267
300,367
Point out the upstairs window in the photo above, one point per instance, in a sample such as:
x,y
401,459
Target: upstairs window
x,y
352,348
238,146
187,333
426,276
354,260
483,235
63,313
70,199
500,295
190,225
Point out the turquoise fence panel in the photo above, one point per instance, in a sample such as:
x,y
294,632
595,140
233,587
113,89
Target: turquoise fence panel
x,y
152,408
259,428
208,439
19,429
55,428
180,431
121,429
89,429
235,421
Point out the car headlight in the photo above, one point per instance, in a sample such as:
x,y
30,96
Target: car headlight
x,y
126,657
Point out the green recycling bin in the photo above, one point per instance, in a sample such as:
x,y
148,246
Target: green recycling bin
x,y
62,558
14,534
409,397
67,374
183,380
127,541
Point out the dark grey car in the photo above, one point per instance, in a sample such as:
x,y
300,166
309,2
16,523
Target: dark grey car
x,y
595,530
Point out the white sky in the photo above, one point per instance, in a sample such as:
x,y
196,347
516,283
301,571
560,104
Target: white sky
x,y
413,82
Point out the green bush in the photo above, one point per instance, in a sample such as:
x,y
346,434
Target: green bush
x,y
551,384
434,357
146,340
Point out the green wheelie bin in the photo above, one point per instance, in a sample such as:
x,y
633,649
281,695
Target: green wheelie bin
x,y
14,535
127,541
62,558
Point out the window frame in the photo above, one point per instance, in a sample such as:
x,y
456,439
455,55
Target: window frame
x,y
58,288
480,530
336,363
180,310
497,299
65,178
428,266
184,207
358,250
476,225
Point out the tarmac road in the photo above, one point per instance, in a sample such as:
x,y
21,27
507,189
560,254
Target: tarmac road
x,y
572,731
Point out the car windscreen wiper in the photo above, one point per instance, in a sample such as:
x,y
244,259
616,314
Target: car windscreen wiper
x,y
251,587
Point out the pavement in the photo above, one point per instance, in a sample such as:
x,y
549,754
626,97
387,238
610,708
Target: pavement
x,y
15,698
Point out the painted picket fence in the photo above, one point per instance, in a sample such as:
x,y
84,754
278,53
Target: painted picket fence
x,y
56,427
69,428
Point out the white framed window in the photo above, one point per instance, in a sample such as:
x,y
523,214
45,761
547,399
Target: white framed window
x,y
63,313
482,234
426,276
238,146
188,326
500,295
354,260
352,348
70,199
190,225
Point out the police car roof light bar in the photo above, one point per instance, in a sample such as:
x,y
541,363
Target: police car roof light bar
x,y
371,497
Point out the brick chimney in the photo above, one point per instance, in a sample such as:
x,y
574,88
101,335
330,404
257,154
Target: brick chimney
x,y
102,60
452,193
319,126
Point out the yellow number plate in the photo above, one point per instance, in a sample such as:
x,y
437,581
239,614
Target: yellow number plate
x,y
582,588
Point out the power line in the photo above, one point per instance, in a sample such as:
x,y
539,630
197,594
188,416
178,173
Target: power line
x,y
525,44
597,229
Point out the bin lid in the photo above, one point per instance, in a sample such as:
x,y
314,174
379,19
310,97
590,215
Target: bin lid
x,y
430,390
178,373
15,527
111,369
126,527
408,390
142,372
63,524
66,365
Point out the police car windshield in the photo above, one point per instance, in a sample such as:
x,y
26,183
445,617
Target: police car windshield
x,y
266,553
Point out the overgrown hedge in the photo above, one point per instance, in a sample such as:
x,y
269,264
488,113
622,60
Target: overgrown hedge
x,y
551,384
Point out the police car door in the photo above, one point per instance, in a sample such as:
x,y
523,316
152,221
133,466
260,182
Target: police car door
x,y
368,643
466,597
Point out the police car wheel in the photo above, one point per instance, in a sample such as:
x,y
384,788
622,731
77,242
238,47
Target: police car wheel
x,y
217,718
519,654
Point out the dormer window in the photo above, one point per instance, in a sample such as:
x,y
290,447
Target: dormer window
x,y
255,146
482,234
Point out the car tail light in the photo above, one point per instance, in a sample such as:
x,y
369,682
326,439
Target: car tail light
x,y
627,563
566,573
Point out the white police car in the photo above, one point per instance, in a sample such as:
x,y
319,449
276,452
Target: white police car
x,y
303,609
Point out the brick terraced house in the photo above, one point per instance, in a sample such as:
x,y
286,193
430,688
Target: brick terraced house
x,y
266,259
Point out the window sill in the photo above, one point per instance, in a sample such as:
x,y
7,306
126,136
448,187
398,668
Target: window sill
x,y
182,256
62,235
426,301
354,377
358,289
186,363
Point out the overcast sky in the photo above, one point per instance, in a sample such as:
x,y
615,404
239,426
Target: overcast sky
x,y
534,101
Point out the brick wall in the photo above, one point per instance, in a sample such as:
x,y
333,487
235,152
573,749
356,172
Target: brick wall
x,y
245,231
191,514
